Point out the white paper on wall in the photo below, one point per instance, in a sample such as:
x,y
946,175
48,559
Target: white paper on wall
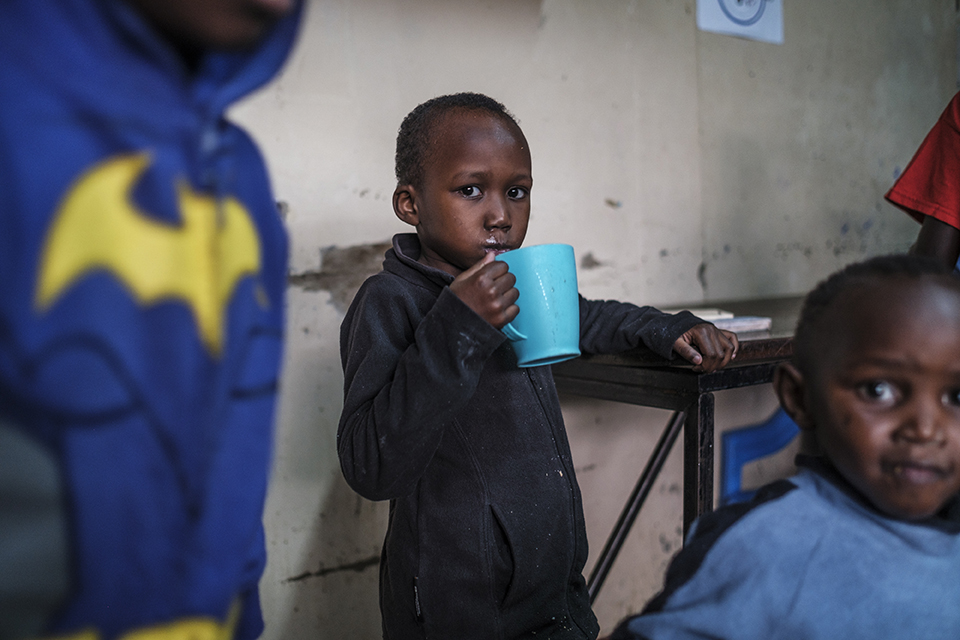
x,y
755,19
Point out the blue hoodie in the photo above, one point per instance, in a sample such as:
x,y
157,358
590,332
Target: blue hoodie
x,y
142,274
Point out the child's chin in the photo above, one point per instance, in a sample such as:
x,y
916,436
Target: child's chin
x,y
911,511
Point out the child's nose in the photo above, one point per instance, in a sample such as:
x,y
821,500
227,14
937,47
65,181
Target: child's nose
x,y
497,214
926,420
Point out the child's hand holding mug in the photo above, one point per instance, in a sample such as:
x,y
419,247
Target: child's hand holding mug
x,y
487,288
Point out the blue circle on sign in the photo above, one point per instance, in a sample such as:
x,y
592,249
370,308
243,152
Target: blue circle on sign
x,y
741,12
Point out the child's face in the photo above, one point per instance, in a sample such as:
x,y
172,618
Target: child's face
x,y
213,23
883,398
475,197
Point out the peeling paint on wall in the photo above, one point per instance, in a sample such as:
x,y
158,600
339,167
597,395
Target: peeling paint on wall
x,y
342,271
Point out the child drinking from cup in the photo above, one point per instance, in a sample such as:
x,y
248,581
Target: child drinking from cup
x,y
486,535
865,541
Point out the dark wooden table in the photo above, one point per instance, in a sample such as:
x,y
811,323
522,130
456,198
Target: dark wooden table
x,y
641,377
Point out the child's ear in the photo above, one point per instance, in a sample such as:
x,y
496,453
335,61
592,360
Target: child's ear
x,y
405,204
790,386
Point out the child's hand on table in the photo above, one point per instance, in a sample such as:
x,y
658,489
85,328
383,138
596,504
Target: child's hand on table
x,y
487,288
707,347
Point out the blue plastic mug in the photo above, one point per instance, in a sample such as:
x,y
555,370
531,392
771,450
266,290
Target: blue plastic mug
x,y
547,329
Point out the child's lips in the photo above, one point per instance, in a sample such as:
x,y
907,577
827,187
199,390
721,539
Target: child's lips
x,y
916,472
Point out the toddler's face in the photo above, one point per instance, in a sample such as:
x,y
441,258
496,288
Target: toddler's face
x,y
884,396
475,197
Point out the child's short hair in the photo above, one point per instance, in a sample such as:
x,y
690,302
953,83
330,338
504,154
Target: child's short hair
x,y
414,135
858,273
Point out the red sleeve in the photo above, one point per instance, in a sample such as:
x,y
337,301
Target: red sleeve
x,y
930,185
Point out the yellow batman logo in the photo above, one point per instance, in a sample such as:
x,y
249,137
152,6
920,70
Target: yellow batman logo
x,y
199,261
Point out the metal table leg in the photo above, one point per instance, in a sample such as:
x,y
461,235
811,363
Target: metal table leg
x,y
698,460
647,478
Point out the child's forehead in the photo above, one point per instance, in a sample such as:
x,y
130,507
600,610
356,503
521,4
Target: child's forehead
x,y
921,296
462,121
884,309
475,136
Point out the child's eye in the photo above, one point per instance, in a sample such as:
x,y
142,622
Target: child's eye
x,y
469,191
516,193
952,397
880,390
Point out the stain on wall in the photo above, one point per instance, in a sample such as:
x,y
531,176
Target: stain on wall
x,y
588,261
342,271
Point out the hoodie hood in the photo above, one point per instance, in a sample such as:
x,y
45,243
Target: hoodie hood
x,y
77,44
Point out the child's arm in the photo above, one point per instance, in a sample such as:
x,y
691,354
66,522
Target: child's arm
x,y
938,240
612,327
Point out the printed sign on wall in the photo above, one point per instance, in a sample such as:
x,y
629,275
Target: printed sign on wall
x,y
755,19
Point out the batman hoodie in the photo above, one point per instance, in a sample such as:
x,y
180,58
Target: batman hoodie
x,y
142,272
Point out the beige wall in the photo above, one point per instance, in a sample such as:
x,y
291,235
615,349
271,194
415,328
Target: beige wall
x,y
656,149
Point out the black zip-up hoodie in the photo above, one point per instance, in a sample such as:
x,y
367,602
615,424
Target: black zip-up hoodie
x,y
486,535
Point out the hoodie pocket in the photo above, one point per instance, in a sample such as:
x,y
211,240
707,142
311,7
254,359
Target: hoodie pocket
x,y
502,557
